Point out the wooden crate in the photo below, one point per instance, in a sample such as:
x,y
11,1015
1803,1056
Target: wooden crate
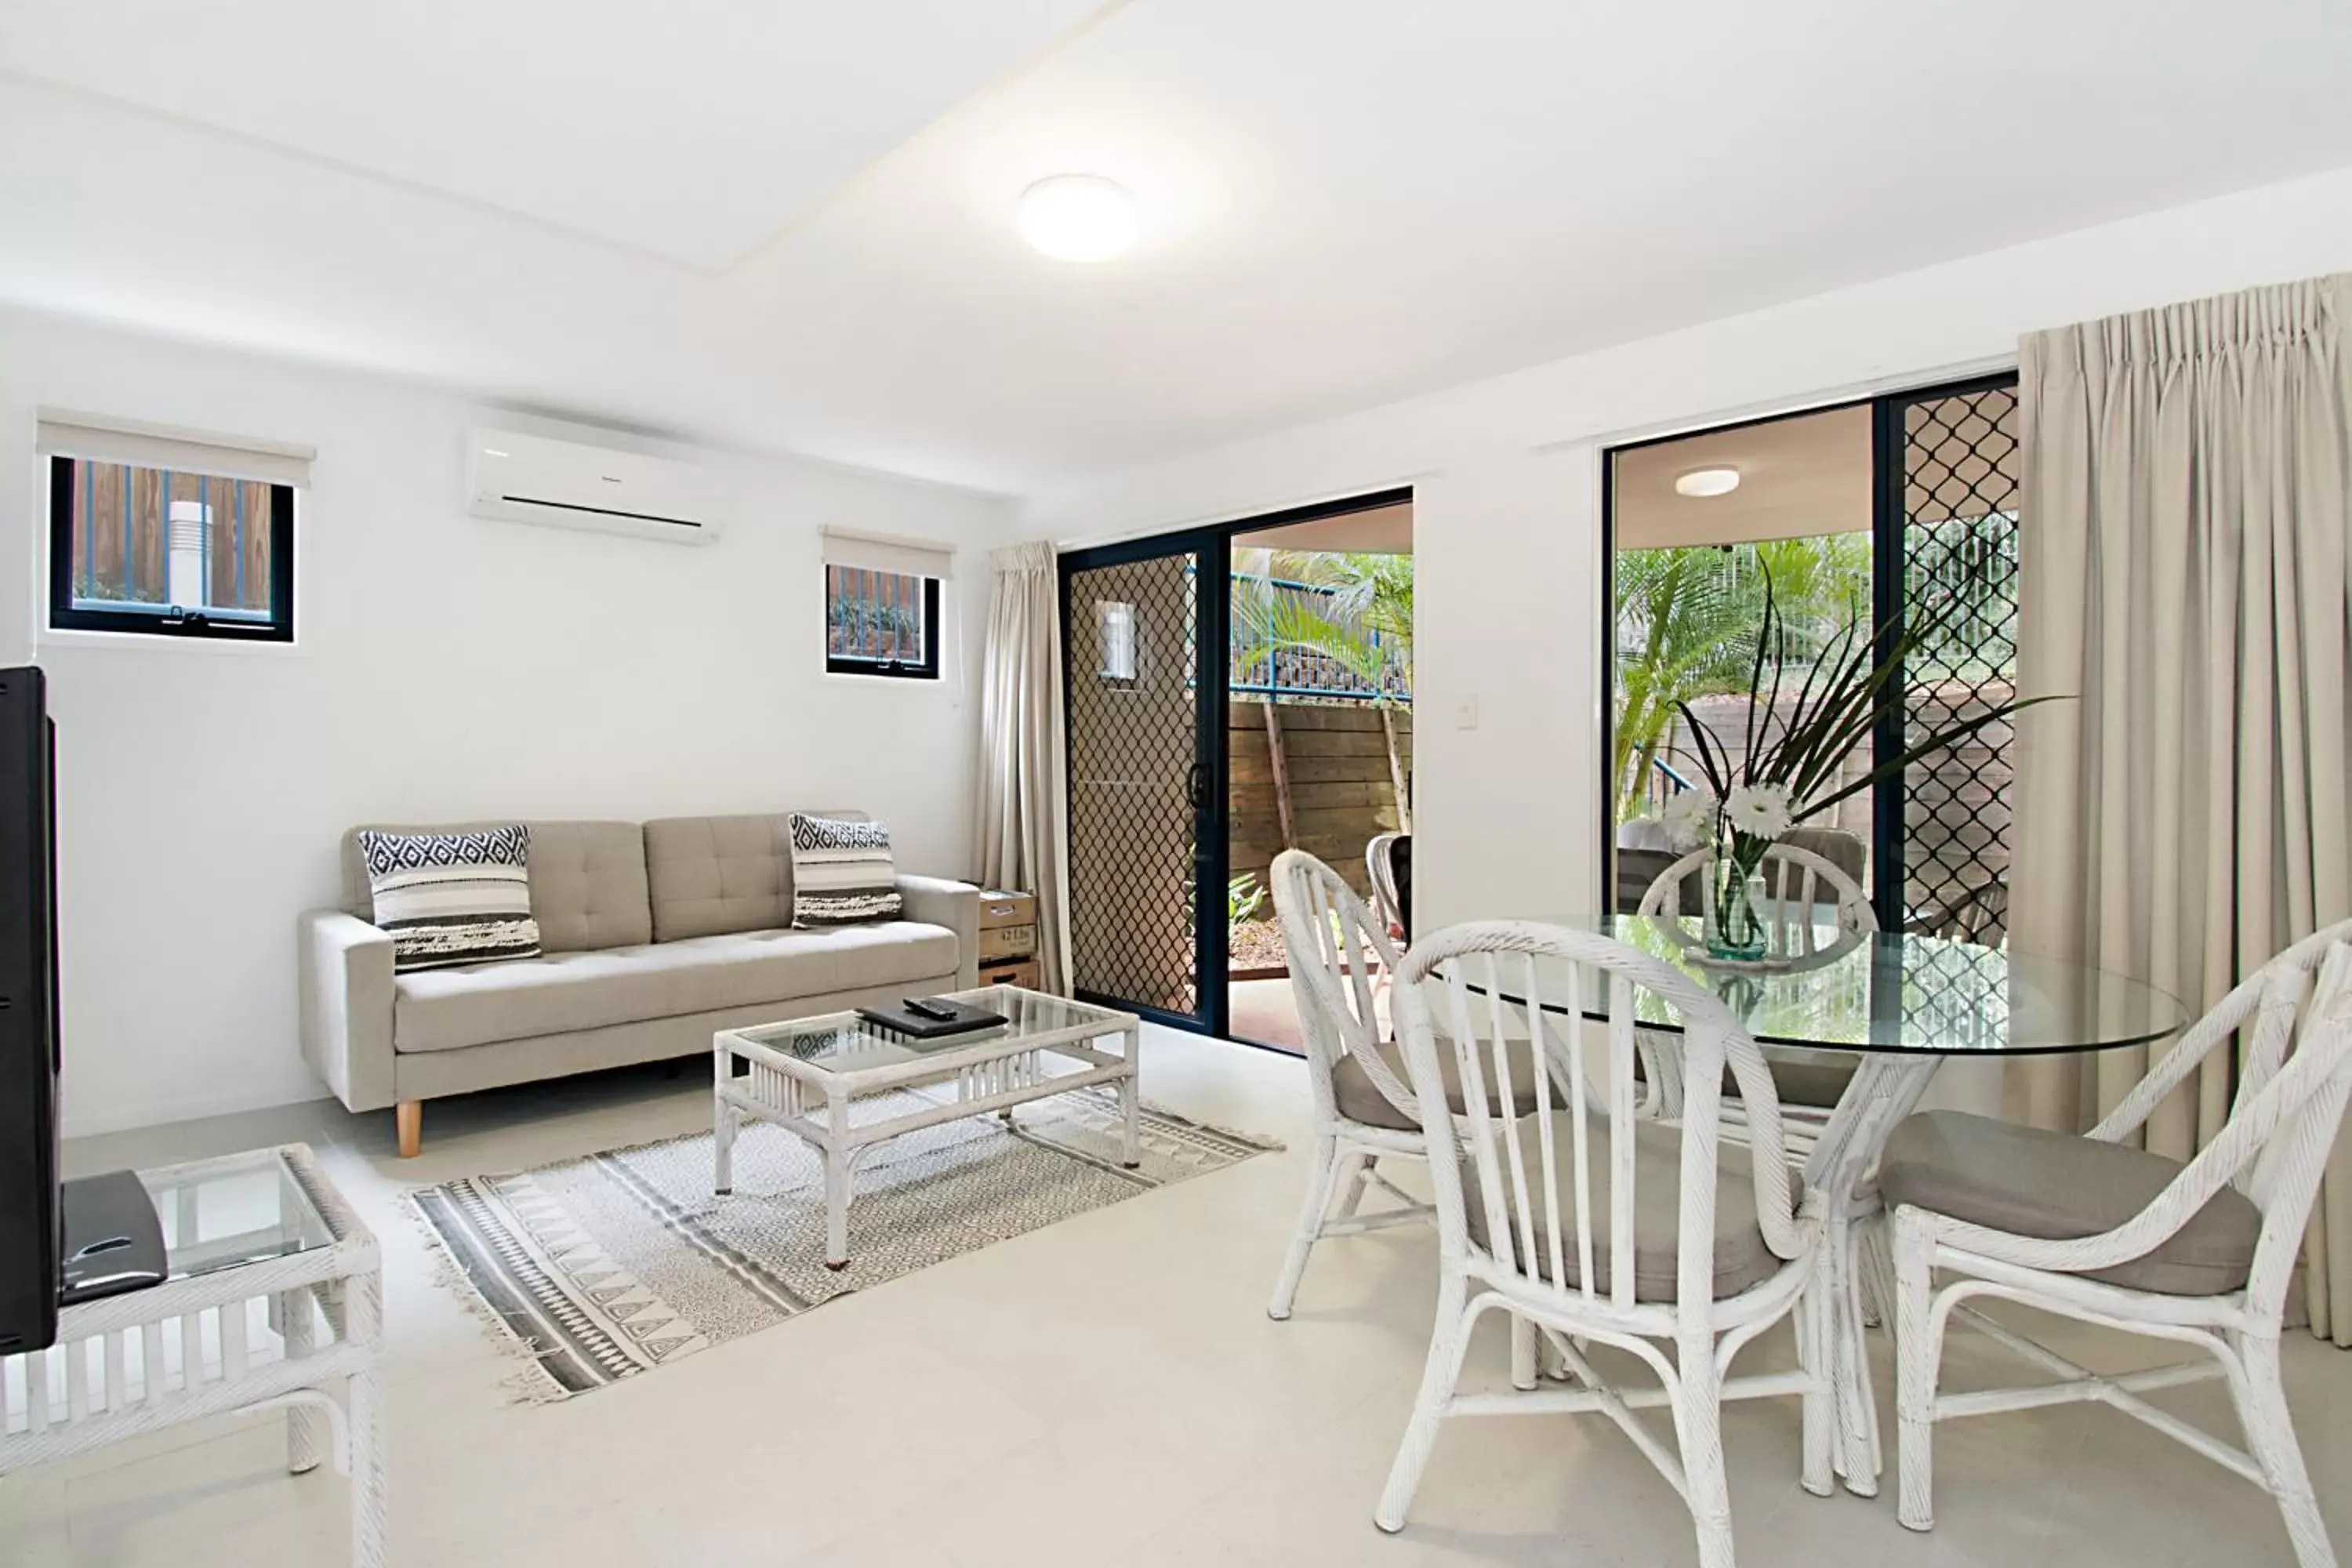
x,y
1021,972
1000,944
999,908
1008,937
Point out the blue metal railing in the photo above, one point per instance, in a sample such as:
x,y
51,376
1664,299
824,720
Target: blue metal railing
x,y
1305,674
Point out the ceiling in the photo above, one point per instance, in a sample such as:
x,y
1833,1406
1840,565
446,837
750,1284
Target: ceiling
x,y
788,227
695,134
1380,531
1797,476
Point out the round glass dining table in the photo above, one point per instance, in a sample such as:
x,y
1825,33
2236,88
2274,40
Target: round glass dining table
x,y
1906,1005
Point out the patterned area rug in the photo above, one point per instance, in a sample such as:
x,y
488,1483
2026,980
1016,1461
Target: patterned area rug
x,y
601,1269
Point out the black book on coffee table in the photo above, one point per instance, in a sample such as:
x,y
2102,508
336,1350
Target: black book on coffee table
x,y
897,1018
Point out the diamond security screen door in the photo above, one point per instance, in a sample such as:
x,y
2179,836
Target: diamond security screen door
x,y
1144,817
1949,475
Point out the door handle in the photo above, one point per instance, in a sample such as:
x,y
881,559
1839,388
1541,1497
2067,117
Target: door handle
x,y
1196,786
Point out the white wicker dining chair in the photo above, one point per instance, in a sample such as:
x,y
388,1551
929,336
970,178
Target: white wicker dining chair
x,y
1340,959
2089,1228
1590,1221
1811,907
1340,963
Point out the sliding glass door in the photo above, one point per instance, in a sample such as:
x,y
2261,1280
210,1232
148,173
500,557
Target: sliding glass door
x,y
1147,818
1859,517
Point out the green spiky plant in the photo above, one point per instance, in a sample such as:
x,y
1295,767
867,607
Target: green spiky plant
x,y
1687,628
1849,689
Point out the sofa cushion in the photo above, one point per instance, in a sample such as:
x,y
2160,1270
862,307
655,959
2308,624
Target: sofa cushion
x,y
587,880
448,898
711,875
842,871
451,1009
2056,1186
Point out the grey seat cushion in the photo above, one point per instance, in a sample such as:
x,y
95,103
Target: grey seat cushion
x,y
1815,1080
450,1009
1359,1100
1741,1258
587,880
2055,1187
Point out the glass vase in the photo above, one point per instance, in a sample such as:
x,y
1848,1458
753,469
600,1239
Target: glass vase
x,y
1735,917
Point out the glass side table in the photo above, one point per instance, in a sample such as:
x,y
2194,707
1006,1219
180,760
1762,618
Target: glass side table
x,y
263,1254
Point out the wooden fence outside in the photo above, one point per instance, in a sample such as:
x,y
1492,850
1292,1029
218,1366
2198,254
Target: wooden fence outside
x,y
1336,759
121,520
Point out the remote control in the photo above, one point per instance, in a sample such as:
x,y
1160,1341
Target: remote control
x,y
938,1011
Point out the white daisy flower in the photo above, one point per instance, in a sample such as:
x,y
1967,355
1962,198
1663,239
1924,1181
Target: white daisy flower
x,y
1689,818
1760,811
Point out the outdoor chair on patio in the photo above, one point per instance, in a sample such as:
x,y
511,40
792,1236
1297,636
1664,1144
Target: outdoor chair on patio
x,y
1387,862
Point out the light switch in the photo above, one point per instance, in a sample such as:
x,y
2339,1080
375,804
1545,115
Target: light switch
x,y
1465,713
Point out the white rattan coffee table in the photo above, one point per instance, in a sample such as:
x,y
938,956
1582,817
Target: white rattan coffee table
x,y
805,1075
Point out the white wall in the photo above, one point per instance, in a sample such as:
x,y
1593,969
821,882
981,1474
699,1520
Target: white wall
x,y
1507,476
447,667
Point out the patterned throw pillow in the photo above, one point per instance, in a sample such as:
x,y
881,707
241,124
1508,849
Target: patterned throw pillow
x,y
842,872
452,897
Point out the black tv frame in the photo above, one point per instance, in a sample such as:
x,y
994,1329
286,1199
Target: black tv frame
x,y
31,1219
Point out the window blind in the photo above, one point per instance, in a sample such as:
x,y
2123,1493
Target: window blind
x,y
888,552
107,439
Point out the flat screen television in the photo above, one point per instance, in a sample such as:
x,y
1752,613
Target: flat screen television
x,y
31,1216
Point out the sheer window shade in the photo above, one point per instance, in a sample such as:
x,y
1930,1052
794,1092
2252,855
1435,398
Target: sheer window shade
x,y
888,552
110,440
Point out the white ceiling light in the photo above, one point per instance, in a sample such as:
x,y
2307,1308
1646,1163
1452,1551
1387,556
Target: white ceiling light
x,y
1705,482
1078,217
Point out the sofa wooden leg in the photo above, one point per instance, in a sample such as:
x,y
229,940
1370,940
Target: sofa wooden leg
x,y
410,1116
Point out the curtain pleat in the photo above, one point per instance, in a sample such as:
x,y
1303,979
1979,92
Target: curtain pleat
x,y
2184,578
1018,833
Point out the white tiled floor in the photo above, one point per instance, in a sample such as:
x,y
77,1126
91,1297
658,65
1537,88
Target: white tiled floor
x,y
1107,1390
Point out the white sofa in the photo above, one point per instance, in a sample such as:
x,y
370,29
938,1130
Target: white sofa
x,y
654,936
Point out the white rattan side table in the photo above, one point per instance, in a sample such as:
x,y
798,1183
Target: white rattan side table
x,y
264,1253
805,1074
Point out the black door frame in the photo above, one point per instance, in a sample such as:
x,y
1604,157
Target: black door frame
x,y
1890,566
1212,557
1210,544
1886,575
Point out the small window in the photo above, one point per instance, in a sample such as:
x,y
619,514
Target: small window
x,y
881,623
174,554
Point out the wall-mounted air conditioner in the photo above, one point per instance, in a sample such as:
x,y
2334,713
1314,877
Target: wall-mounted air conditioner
x,y
513,478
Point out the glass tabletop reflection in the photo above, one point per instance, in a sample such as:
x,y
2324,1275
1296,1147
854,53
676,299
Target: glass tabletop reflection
x,y
846,1043
224,1213
1894,992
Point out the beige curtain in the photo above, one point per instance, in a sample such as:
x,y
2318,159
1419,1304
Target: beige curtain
x,y
1018,834
2184,574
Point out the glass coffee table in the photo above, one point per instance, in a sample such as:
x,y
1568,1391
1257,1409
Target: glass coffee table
x,y
261,1255
807,1074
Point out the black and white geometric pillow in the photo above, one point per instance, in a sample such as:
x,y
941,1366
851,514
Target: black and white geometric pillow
x,y
842,872
452,897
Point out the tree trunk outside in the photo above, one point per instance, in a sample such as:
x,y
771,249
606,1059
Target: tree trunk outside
x,y
1396,770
